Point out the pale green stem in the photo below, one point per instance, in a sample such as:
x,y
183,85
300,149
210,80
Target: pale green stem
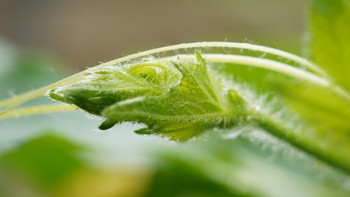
x,y
41,109
246,46
14,102
255,62
9,101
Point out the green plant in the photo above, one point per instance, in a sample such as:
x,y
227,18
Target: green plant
x,y
180,96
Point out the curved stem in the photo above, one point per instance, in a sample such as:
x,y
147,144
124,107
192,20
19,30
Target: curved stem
x,y
270,65
257,62
237,45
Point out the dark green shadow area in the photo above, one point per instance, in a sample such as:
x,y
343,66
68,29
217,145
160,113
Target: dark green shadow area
x,y
45,160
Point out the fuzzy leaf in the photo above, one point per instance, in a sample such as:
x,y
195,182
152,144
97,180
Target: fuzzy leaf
x,y
116,83
178,100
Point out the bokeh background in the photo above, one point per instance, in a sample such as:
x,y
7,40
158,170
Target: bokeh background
x,y
64,154
86,32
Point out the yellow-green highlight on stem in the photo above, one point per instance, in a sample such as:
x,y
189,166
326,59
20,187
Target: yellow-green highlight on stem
x,y
16,101
41,109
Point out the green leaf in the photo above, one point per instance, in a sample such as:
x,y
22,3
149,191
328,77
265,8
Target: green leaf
x,y
115,83
211,165
178,100
330,41
46,159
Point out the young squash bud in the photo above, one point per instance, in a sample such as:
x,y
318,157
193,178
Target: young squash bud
x,y
178,99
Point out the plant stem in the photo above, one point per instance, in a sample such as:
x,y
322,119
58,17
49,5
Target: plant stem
x,y
236,45
270,65
14,102
41,109
287,135
258,62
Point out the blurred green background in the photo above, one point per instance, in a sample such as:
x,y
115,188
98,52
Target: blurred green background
x,y
64,154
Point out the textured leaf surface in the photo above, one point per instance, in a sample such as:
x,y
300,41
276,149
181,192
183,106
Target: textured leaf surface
x,y
179,100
